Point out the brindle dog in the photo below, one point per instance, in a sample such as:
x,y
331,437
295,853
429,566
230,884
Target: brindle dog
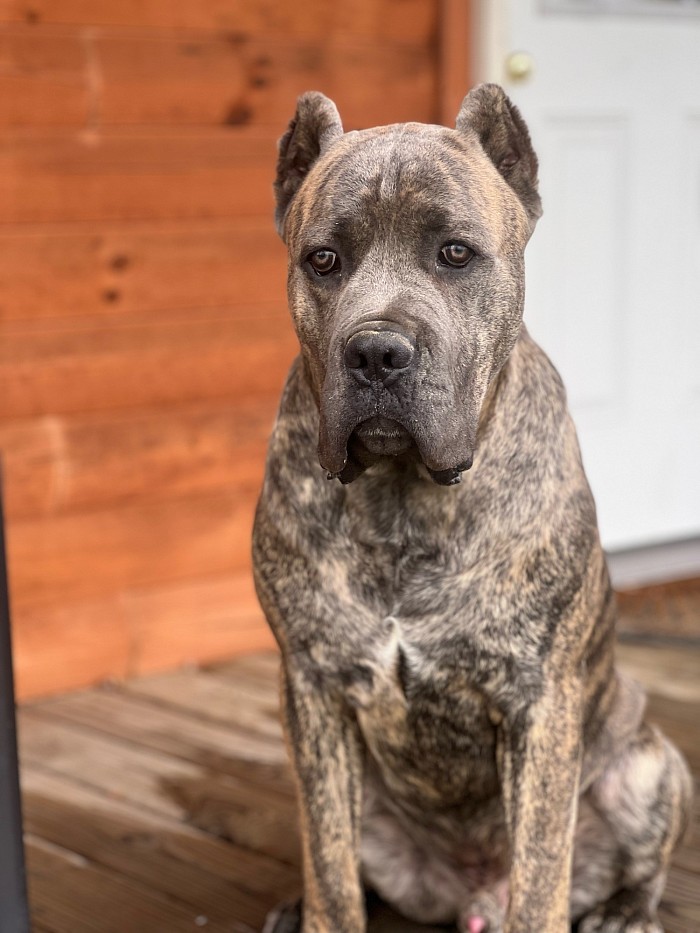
x,y
462,742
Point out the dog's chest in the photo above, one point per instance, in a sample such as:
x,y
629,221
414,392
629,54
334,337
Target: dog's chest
x,y
427,729
431,652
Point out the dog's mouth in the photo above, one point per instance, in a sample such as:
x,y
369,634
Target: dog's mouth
x,y
383,437
360,426
379,437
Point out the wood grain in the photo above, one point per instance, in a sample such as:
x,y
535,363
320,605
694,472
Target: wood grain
x,y
213,697
107,78
240,81
454,60
143,363
119,771
127,269
70,645
66,558
57,464
667,610
135,175
43,79
389,20
219,879
134,630
196,620
231,749
110,903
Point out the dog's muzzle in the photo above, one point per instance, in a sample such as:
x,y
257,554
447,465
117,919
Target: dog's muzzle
x,y
372,407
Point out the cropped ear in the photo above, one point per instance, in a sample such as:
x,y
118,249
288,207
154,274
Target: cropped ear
x,y
314,127
504,137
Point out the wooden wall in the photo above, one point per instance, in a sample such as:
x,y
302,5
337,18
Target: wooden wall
x,y
143,328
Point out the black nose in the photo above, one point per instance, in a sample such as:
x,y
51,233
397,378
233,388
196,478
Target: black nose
x,y
378,356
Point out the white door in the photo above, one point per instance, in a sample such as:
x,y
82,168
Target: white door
x,y
611,93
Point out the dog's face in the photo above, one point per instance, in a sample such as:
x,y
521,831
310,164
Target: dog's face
x,y
406,279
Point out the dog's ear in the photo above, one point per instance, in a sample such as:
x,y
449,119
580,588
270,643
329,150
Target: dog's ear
x,y
488,112
314,127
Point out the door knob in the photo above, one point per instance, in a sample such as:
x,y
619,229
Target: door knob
x,y
519,65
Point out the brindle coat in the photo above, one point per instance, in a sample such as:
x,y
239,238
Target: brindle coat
x,y
461,739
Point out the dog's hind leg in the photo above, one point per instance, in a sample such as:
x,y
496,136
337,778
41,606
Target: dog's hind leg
x,y
630,820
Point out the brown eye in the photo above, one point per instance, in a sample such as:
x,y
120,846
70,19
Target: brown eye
x,y
455,255
323,261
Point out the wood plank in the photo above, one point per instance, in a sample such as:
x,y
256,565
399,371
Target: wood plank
x,y
680,905
454,58
120,771
72,557
250,814
667,609
133,631
66,270
196,621
262,668
214,698
227,749
665,670
72,895
42,79
221,880
400,20
67,646
113,79
134,175
142,362
74,463
679,721
264,821
257,673
254,816
240,81
688,856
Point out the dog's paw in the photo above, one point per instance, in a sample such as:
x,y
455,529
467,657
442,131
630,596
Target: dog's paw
x,y
607,919
284,919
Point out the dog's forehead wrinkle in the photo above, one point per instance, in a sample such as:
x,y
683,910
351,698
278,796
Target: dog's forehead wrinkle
x,y
389,184
391,168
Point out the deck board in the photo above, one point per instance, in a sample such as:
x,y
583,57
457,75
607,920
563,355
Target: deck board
x,y
166,803
73,894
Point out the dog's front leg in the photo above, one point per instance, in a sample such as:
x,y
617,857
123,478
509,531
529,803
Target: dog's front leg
x,y
324,742
540,755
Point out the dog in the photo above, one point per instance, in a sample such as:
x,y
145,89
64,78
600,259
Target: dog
x,y
426,553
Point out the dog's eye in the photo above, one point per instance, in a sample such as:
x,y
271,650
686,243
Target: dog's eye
x,y
323,261
455,255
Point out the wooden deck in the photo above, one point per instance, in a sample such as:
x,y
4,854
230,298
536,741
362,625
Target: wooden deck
x,y
165,803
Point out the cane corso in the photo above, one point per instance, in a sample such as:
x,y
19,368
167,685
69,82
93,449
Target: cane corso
x,y
427,555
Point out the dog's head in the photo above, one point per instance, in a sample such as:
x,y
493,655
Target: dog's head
x,y
406,279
